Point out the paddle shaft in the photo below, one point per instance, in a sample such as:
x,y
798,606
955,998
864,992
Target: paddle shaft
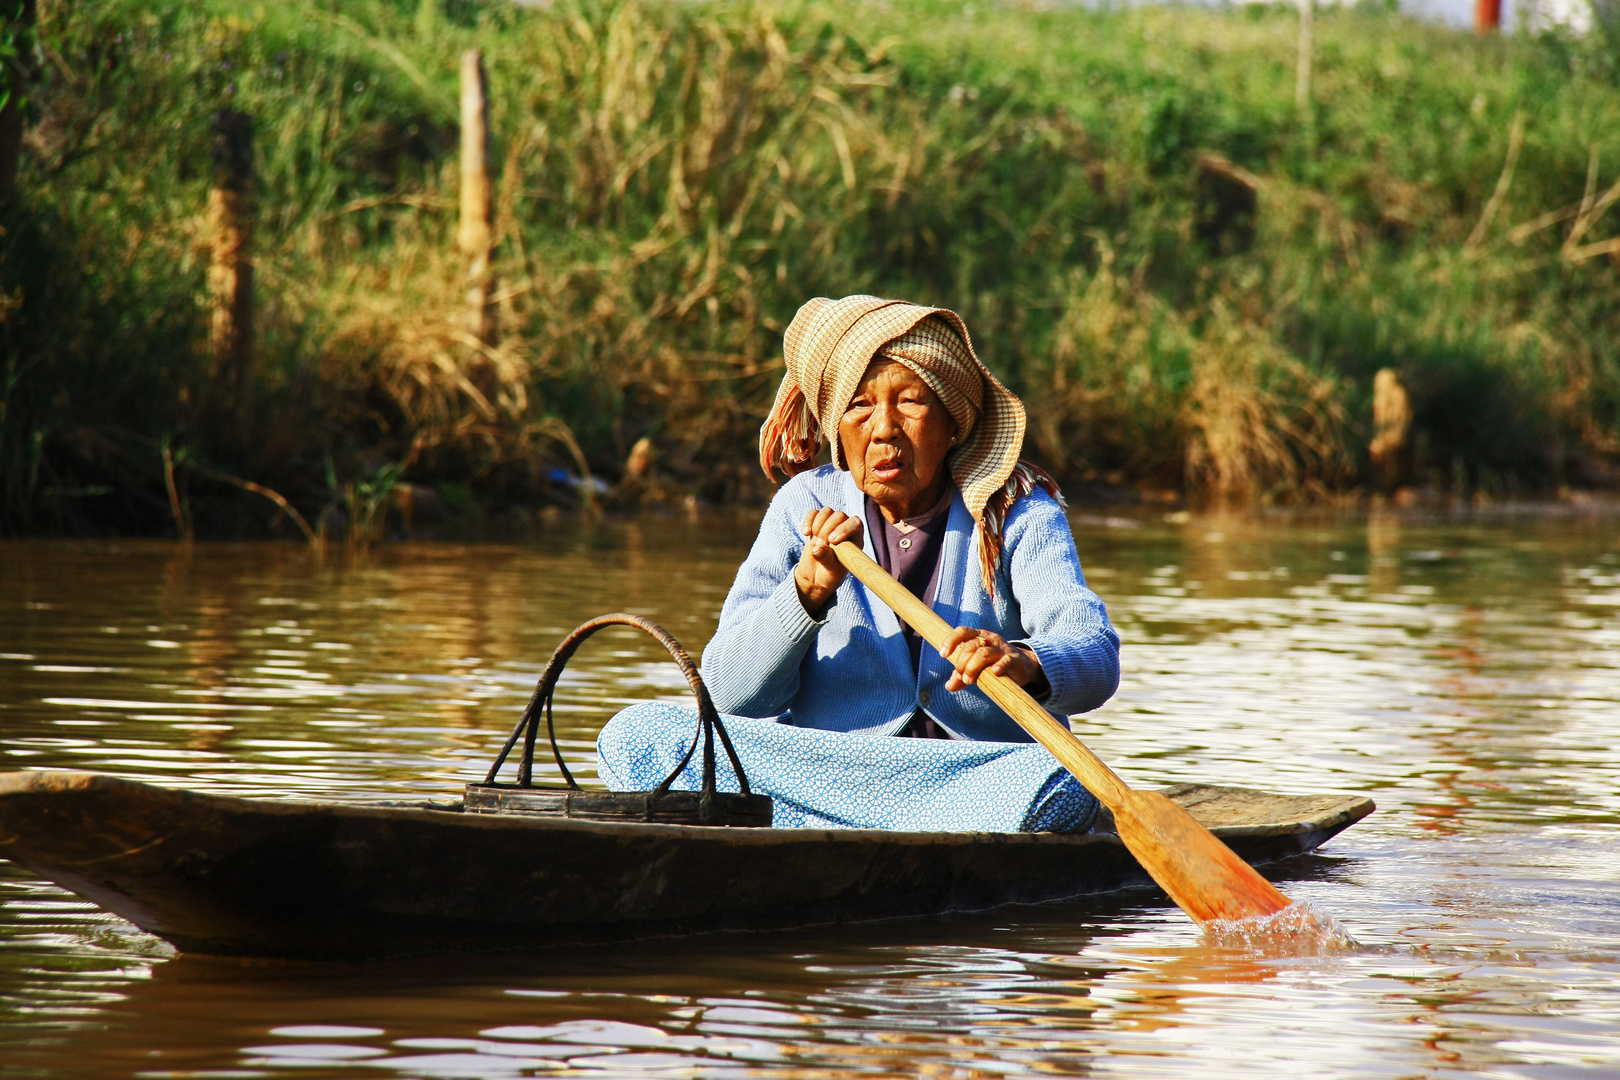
x,y
1202,875
1098,778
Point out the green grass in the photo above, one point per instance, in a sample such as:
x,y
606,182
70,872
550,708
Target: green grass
x,y
673,180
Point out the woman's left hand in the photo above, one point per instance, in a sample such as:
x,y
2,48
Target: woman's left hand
x,y
973,652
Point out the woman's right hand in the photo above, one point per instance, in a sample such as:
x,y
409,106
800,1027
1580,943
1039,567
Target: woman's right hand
x,y
819,572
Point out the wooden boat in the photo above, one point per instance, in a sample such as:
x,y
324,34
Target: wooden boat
x,y
276,878
516,866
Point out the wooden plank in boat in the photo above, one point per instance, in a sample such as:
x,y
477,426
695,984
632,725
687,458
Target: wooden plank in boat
x,y
729,809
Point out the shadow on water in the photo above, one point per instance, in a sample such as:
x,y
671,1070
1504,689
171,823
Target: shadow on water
x,y
833,998
875,999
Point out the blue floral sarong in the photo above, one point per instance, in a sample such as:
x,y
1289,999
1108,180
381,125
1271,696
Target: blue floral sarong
x,y
827,779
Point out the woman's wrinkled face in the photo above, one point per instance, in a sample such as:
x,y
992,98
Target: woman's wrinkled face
x,y
895,435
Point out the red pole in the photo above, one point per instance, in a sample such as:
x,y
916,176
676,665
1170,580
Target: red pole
x,y
1487,16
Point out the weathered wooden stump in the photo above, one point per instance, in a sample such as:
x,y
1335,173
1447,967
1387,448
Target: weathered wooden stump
x,y
1392,425
230,271
477,233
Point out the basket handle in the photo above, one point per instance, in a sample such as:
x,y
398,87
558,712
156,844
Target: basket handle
x,y
528,727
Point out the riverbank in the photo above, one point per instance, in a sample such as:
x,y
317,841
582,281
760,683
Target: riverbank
x,y
1192,281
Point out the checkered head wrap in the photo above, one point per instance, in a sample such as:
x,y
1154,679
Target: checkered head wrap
x,y
827,349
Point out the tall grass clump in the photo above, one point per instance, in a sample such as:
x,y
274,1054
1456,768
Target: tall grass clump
x,y
1192,283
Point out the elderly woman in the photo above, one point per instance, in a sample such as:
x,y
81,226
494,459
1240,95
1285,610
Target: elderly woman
x,y
925,475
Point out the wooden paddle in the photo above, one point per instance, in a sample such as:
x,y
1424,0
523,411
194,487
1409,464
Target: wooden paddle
x,y
1201,874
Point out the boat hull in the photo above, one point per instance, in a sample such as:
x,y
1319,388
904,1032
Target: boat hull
x,y
224,875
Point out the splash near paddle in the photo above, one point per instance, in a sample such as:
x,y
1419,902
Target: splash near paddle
x,y
1202,875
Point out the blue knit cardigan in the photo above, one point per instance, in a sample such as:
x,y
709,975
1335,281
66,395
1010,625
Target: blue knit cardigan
x,y
850,670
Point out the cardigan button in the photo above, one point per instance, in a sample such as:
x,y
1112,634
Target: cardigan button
x,y
922,698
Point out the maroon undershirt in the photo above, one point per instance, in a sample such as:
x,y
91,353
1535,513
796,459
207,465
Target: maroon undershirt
x,y
913,560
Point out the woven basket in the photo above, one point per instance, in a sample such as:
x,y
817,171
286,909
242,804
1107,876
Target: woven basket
x,y
660,805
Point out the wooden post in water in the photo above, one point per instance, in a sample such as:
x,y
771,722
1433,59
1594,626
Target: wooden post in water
x,y
230,271
1392,424
1487,16
477,232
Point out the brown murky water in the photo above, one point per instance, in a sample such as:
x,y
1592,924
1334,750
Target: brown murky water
x,y
1465,673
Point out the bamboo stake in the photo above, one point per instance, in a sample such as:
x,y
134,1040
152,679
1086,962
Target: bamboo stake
x,y
1592,251
1592,208
1302,62
1202,875
230,272
182,520
476,233
1471,247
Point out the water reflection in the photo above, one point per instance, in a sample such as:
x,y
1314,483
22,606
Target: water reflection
x,y
1463,673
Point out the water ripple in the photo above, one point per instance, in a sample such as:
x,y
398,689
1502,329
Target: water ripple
x,y
1464,674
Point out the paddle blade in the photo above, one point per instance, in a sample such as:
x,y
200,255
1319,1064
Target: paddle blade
x,y
1202,875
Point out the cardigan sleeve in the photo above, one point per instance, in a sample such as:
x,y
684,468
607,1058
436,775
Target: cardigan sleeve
x,y
1065,623
751,665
